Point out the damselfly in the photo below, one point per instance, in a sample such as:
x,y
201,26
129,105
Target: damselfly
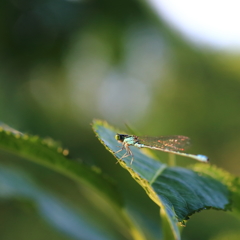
x,y
171,144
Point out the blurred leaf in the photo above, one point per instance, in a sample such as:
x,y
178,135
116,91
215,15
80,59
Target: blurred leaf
x,y
178,192
233,235
76,223
48,153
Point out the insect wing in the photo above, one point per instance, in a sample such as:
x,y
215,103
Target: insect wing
x,y
171,143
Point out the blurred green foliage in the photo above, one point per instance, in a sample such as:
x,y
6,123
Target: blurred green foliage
x,y
64,63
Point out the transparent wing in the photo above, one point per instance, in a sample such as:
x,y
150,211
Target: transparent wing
x,y
172,143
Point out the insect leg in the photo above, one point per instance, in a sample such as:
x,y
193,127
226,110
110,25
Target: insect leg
x,y
120,149
129,153
132,158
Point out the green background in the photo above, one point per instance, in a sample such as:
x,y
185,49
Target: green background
x,y
64,63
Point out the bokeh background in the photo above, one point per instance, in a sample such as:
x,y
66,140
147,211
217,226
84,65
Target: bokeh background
x,y
162,67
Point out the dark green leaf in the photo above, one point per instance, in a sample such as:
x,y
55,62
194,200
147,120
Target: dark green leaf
x,y
179,192
227,179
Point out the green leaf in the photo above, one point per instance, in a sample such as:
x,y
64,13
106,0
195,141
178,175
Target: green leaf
x,y
61,215
50,154
227,179
179,192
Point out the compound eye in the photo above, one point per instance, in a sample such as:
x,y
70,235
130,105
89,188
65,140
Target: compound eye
x,y
117,137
